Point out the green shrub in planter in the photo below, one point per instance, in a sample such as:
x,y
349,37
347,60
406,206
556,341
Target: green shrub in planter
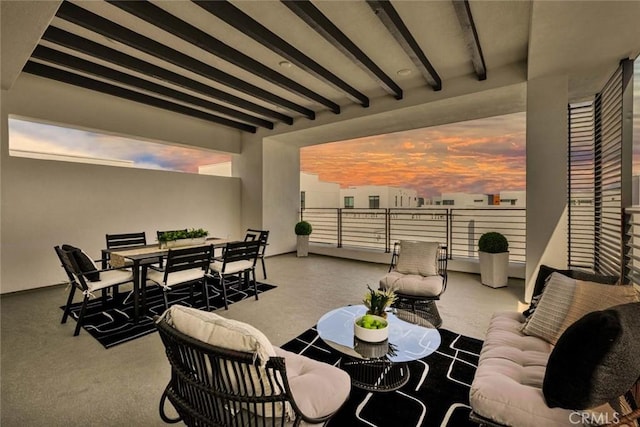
x,y
303,228
493,243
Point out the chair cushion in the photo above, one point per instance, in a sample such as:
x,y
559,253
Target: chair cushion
x,y
219,331
595,360
566,300
319,389
85,263
110,278
232,267
176,277
418,258
412,284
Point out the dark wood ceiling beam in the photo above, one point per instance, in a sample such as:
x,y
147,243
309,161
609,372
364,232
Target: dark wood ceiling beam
x,y
249,26
91,48
463,11
89,20
312,16
390,18
60,58
53,73
157,16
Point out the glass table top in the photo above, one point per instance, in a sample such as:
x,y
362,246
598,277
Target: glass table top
x,y
407,341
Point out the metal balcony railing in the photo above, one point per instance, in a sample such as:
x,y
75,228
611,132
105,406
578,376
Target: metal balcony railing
x,y
631,246
458,228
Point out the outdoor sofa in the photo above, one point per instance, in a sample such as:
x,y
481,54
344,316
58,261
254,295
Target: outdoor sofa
x,y
570,359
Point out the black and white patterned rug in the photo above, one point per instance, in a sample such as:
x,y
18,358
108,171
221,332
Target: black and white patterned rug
x,y
112,323
437,394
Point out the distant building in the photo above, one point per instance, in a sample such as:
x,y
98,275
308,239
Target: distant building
x,y
318,194
377,196
463,200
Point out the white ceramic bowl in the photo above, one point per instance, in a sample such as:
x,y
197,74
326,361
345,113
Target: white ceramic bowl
x,y
371,335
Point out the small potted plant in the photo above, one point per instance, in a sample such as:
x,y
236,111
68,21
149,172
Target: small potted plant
x,y
303,229
493,252
377,301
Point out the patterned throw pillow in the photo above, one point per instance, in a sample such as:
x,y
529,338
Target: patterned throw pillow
x,y
566,300
419,258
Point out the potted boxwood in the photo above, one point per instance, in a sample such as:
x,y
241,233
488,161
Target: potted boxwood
x,y
303,229
493,251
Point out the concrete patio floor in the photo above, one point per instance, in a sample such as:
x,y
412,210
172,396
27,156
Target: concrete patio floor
x,y
50,378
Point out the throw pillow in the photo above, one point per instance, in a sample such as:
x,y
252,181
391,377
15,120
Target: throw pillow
x,y
85,263
545,271
565,300
595,360
419,258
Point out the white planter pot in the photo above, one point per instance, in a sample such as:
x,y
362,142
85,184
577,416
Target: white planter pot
x,y
303,246
183,242
494,269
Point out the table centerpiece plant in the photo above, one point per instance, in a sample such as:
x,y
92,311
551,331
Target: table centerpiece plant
x,y
189,237
377,301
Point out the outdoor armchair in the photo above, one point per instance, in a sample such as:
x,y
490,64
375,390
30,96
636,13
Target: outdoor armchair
x,y
226,373
418,276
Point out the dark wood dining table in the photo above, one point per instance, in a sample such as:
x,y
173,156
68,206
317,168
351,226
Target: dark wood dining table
x,y
140,257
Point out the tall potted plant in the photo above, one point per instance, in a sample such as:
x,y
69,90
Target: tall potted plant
x,y
303,229
493,251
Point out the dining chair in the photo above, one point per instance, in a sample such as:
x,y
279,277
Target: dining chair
x,y
238,258
125,241
183,266
262,236
85,276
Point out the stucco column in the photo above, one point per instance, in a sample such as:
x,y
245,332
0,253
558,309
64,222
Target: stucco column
x,y
270,174
547,99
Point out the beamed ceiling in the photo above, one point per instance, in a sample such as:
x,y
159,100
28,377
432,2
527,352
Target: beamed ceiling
x,y
254,64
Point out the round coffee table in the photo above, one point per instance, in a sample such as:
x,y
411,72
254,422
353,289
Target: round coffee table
x,y
377,366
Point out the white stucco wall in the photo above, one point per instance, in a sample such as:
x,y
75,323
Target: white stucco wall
x,y
46,203
547,99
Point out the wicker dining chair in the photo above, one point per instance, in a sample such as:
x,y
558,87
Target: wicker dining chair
x,y
216,386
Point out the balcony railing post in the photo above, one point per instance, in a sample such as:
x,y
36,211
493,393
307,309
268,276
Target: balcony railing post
x,y
339,227
387,230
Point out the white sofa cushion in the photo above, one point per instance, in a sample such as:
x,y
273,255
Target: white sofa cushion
x,y
412,284
507,387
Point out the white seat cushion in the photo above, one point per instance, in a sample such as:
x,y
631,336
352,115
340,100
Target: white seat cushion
x,y
507,387
412,284
232,267
318,388
418,258
110,278
175,277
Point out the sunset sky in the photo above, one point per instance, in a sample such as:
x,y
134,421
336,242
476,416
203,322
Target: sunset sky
x,y
479,156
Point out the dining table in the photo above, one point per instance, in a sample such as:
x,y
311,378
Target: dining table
x,y
139,258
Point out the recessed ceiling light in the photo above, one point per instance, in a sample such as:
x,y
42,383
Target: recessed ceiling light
x,y
404,72
284,64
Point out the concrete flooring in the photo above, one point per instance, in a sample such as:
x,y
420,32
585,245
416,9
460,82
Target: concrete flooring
x,y
50,378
